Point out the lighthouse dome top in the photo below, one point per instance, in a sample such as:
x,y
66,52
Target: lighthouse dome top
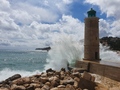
x,y
91,13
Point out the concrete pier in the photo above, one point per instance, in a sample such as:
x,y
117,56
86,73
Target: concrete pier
x,y
103,68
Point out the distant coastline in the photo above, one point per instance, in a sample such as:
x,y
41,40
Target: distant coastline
x,y
46,48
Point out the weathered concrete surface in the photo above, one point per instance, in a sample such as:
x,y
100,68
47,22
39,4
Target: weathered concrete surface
x,y
106,69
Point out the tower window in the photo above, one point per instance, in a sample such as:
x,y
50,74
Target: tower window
x,y
96,55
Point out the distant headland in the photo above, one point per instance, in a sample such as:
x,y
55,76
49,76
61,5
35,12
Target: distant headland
x,y
112,42
45,48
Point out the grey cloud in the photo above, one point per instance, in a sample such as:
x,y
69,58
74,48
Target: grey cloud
x,y
4,44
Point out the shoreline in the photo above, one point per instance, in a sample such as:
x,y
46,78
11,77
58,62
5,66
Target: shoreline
x,y
59,80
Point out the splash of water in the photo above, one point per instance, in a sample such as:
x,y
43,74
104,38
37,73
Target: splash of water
x,y
64,51
108,55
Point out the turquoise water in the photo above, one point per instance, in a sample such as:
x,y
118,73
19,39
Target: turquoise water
x,y
25,63
22,60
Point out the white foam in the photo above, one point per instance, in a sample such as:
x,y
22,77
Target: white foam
x,y
63,51
108,55
6,73
68,50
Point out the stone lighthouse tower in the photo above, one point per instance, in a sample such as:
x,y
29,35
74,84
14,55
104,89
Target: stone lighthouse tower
x,y
91,37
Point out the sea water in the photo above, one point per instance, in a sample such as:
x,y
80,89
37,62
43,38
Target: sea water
x,y
63,51
21,62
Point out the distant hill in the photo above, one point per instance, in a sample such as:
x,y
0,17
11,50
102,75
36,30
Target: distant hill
x,y
46,48
112,42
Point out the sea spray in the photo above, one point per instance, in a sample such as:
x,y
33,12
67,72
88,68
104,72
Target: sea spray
x,y
7,72
67,50
64,51
108,55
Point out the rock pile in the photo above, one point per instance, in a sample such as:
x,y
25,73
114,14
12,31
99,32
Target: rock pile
x,y
51,80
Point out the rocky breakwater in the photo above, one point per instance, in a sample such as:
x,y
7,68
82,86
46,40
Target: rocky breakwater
x,y
52,80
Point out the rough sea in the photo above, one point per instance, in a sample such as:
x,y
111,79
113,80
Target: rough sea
x,y
22,62
64,51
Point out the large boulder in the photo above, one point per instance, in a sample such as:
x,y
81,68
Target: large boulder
x,y
65,82
10,79
16,76
21,81
87,84
16,87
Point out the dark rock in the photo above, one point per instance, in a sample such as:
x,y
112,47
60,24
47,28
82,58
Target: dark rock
x,y
16,76
8,80
30,88
87,76
63,69
50,74
76,74
50,70
37,76
86,84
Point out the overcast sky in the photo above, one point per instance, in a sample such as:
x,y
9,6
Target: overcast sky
x,y
38,23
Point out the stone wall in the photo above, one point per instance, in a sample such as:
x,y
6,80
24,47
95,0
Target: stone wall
x,y
106,70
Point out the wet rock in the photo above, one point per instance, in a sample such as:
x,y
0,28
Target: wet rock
x,y
63,69
16,76
49,70
37,76
10,79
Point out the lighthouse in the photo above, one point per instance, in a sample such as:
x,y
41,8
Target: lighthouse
x,y
91,37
